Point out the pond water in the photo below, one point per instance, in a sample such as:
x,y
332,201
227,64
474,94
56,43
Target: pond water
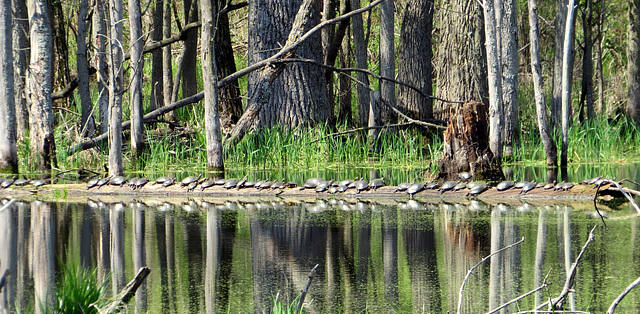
x,y
397,255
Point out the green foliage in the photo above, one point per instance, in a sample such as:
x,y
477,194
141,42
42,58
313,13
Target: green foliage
x,y
80,291
279,307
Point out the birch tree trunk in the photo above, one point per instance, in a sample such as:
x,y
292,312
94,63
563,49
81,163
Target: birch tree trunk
x,y
87,126
560,24
387,58
210,80
137,67
567,67
510,65
538,88
20,23
41,85
100,22
633,103
360,51
495,80
8,149
414,65
115,88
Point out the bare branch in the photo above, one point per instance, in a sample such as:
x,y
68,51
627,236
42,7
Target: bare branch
x,y
624,293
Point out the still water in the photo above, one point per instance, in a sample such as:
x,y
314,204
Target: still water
x,y
217,256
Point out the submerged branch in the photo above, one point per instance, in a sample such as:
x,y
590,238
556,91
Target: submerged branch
x,y
466,278
306,288
624,293
127,293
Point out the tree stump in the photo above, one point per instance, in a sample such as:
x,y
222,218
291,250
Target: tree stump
x,y
466,145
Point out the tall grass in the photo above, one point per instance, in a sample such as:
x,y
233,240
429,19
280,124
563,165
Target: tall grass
x,y
80,291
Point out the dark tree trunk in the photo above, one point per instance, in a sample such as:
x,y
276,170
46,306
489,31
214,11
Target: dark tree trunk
x,y
298,96
360,51
156,99
229,102
167,69
61,71
87,126
387,59
20,23
8,150
586,99
210,79
100,22
461,68
345,115
415,59
633,103
189,75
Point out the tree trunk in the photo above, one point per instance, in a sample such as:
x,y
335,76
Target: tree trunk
x,y
167,65
461,68
137,67
61,71
633,103
210,81
387,59
560,24
538,88
230,102
299,95
329,10
510,65
360,49
87,126
157,91
189,75
586,99
415,59
100,22
8,149
20,24
345,115
41,85
567,69
496,116
116,87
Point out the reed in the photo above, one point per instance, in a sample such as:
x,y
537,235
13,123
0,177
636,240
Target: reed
x,y
80,291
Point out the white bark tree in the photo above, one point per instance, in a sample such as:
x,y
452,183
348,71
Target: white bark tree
x,y
8,150
116,87
495,79
137,67
567,69
510,63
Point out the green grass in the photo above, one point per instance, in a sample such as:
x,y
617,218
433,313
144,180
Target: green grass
x,y
278,307
80,291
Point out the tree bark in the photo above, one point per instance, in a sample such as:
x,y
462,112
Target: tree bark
x,y
137,68
495,79
510,63
20,22
167,65
461,58
189,75
586,99
61,71
116,87
387,58
8,149
100,34
633,103
156,99
360,51
210,81
536,70
87,126
41,85
230,101
415,59
345,115
567,69
560,24
299,96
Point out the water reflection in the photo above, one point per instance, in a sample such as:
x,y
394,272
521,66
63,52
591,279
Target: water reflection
x,y
218,256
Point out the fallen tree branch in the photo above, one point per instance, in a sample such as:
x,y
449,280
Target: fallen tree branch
x,y
556,303
303,295
127,293
4,278
621,189
7,205
624,293
466,278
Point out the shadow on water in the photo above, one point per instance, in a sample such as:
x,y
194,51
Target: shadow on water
x,y
374,257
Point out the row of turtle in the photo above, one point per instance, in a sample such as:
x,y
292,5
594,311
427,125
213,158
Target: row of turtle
x,y
13,181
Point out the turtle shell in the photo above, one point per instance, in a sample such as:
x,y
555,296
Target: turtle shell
x,y
188,180
377,183
505,185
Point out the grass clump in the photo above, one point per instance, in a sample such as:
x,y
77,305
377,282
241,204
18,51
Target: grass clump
x,y
80,291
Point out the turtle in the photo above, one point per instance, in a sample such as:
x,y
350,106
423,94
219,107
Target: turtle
x,y
291,184
118,180
432,186
161,180
207,184
478,189
520,184
188,180
549,186
402,187
37,183
415,188
241,183
377,183
528,187
591,181
132,183
169,183
248,184
102,182
471,185
7,182
342,188
231,183
460,186
192,185
600,182
505,185
344,182
332,189
447,186
464,175
352,185
311,183
259,184
566,186
361,185
21,182
265,185
140,183
92,183
278,185
323,186
220,181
